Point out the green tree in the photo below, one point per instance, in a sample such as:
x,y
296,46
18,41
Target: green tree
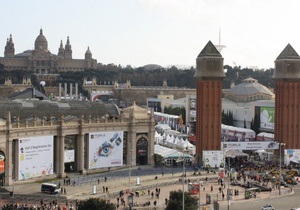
x,y
95,203
158,160
227,118
255,124
175,201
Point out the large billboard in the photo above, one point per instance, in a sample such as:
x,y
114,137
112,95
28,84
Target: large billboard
x,y
213,158
193,107
291,155
250,145
105,149
35,157
267,117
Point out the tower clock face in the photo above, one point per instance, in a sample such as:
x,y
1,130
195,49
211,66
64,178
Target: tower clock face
x,y
41,47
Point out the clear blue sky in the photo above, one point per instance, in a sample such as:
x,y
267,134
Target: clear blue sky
x,y
164,32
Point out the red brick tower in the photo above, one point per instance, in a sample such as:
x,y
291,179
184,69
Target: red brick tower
x,y
209,74
287,98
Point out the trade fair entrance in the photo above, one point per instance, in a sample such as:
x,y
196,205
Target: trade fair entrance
x,y
142,151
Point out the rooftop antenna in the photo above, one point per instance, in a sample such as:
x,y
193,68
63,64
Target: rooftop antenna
x,y
219,46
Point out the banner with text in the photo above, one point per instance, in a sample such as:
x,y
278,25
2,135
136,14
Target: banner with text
x,y
105,149
250,145
213,158
35,157
267,117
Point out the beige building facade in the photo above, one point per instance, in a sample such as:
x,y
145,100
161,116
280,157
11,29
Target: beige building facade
x,y
41,61
62,137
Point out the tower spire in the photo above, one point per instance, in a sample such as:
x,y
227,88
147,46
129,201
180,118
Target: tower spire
x,y
220,46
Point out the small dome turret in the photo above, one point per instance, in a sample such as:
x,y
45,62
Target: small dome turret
x,y
88,54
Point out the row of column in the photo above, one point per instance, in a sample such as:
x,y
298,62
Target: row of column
x,y
59,160
65,91
79,154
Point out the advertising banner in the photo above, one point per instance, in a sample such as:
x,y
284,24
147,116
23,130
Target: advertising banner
x,y
105,149
291,155
250,145
213,158
231,133
267,117
193,188
2,162
35,157
69,156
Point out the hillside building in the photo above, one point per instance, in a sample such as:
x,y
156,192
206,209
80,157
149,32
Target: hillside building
x,y
41,61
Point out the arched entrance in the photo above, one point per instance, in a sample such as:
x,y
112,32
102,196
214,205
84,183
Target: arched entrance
x,y
142,151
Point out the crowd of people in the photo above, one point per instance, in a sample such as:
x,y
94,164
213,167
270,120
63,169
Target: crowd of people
x,y
35,207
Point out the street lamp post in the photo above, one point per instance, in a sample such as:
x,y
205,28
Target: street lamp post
x,y
130,199
229,175
13,194
183,179
228,189
280,144
130,163
199,194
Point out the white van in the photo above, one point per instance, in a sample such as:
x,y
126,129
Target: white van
x,y
50,188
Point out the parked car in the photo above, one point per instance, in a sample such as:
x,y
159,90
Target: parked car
x,y
267,207
283,183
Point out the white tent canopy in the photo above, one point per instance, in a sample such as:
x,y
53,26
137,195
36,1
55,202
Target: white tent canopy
x,y
157,135
169,153
235,153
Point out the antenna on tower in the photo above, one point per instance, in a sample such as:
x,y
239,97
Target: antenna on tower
x,y
219,46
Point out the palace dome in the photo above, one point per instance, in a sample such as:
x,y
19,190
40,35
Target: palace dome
x,y
41,42
249,90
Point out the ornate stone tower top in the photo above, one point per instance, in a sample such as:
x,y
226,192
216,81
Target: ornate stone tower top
x,y
209,64
9,48
287,65
41,42
68,49
61,50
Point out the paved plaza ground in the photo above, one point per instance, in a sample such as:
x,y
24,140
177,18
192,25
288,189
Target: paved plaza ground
x,y
86,186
